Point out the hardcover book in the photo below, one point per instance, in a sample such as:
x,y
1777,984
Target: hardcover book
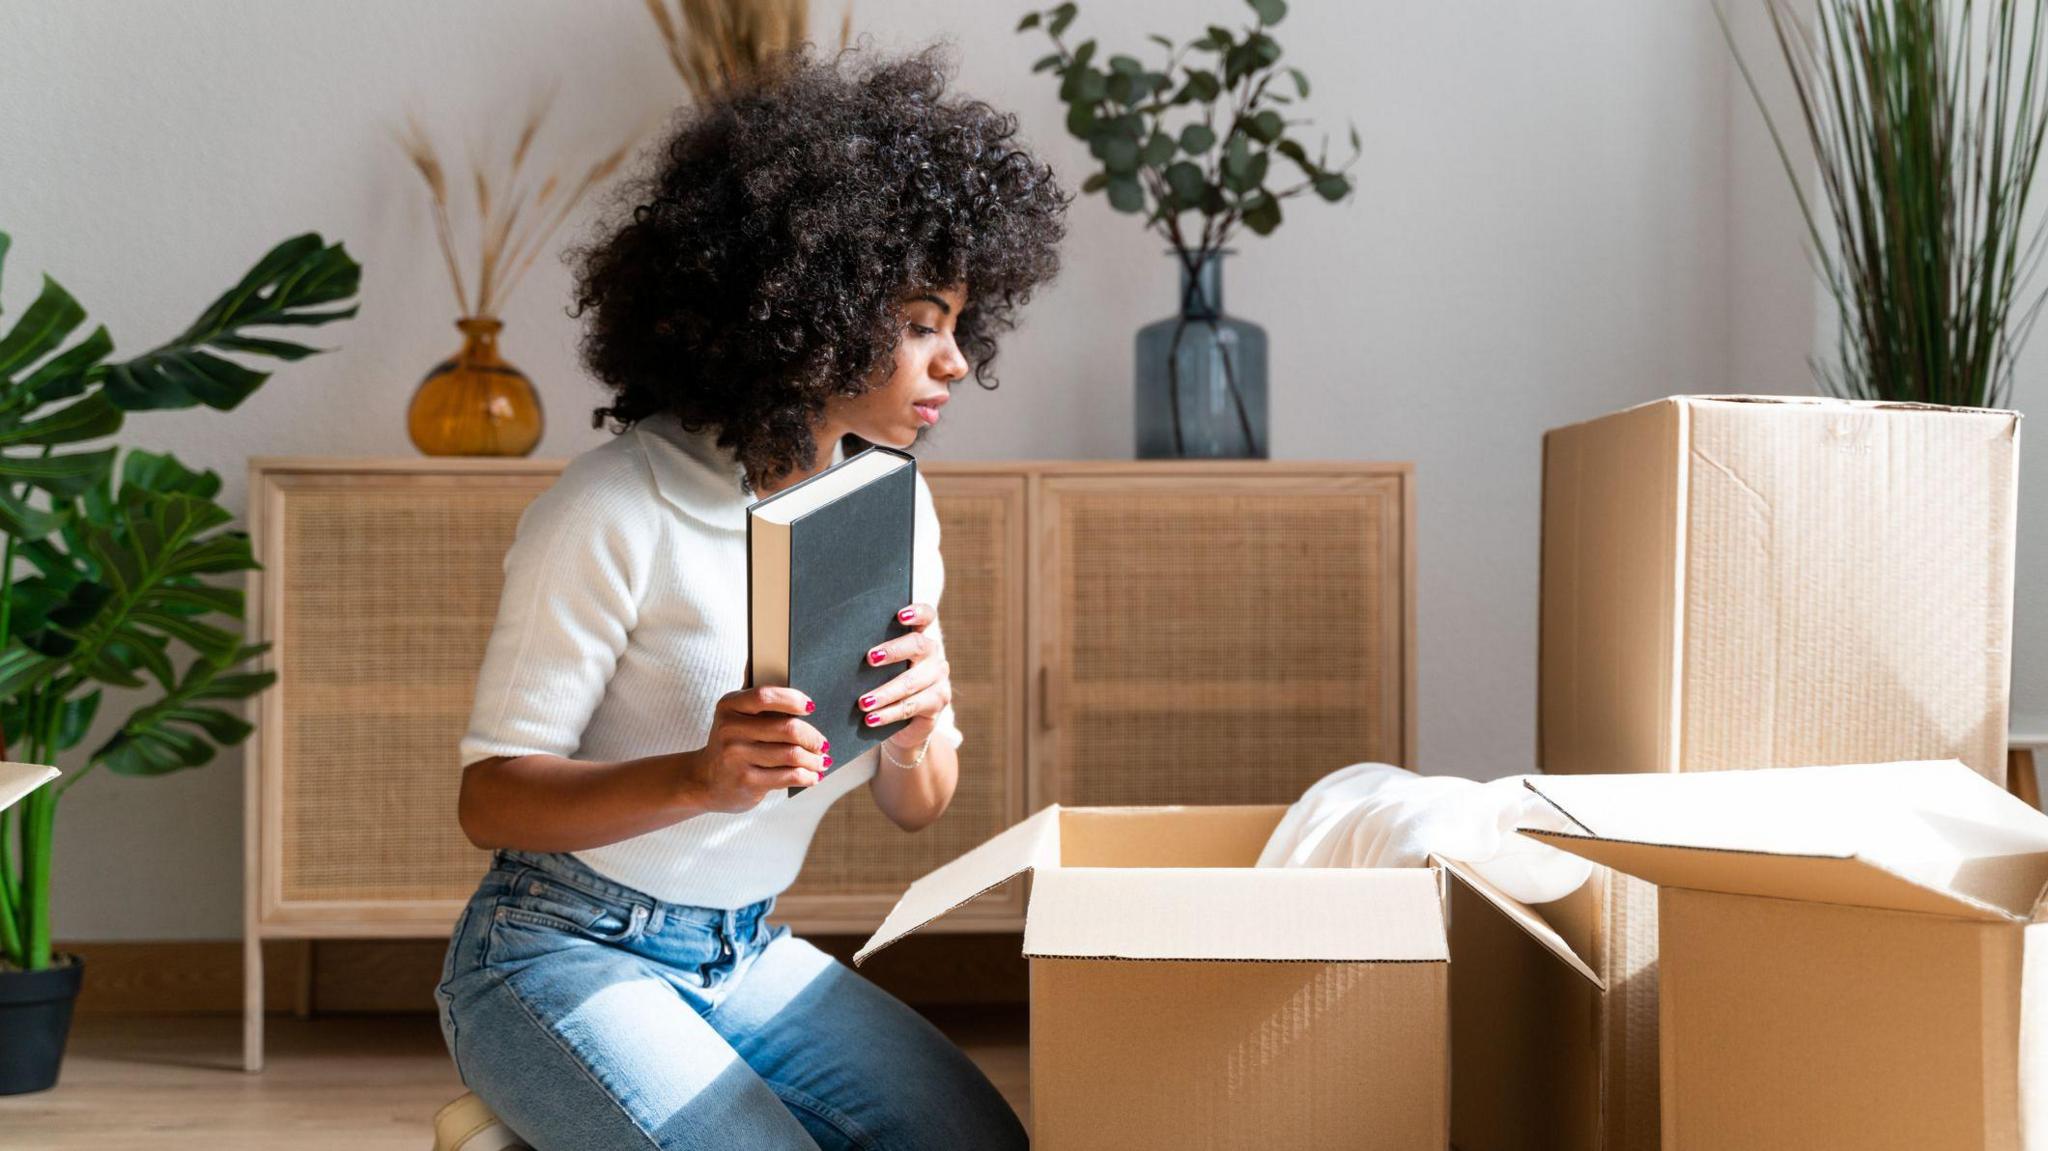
x,y
828,566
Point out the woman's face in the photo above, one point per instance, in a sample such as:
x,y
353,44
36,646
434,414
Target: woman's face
x,y
920,380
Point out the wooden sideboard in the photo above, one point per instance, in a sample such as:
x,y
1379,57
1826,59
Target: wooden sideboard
x,y
1120,632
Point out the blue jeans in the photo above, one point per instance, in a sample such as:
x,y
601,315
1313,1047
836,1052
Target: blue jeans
x,y
589,1015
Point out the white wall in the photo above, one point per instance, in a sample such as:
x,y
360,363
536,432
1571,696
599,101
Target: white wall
x,y
1562,213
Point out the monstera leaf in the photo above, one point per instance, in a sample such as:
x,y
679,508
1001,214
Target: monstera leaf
x,y
293,285
181,730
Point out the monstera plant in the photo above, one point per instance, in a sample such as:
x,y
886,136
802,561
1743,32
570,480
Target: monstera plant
x,y
111,575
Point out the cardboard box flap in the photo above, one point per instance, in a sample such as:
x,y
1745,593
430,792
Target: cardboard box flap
x,y
18,779
1522,916
1929,836
1033,843
1244,914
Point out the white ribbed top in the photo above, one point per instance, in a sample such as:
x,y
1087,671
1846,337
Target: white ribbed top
x,y
623,620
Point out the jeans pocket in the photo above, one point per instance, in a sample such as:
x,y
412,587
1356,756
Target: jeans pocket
x,y
538,906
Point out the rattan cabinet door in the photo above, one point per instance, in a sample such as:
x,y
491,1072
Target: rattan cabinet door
x,y
379,591
1220,634
860,862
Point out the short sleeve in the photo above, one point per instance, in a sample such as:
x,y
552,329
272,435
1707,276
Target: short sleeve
x,y
928,582
573,577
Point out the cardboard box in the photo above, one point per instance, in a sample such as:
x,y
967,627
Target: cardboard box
x,y
1182,997
1734,582
1854,957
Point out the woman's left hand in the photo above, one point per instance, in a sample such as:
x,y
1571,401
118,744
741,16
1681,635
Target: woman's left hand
x,y
922,690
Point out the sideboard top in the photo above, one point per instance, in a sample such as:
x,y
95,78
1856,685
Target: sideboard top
x,y
489,465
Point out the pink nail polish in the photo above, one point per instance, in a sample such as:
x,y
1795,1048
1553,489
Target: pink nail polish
x,y
810,705
907,614
828,761
874,718
866,702
875,656
827,746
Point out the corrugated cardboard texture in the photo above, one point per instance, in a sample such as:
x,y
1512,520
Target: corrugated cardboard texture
x,y
1792,1026
1835,576
1848,589
1525,1033
1742,582
1258,914
1179,1056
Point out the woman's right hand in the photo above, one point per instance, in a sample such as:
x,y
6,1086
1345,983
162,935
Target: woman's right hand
x,y
759,743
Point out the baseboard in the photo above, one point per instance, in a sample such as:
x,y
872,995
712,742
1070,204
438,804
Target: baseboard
x,y
356,976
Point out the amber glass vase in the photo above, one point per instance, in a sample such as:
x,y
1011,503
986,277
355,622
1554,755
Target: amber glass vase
x,y
475,404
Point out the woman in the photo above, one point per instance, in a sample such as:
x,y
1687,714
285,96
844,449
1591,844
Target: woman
x,y
812,263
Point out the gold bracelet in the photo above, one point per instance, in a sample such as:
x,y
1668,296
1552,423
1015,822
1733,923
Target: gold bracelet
x,y
918,762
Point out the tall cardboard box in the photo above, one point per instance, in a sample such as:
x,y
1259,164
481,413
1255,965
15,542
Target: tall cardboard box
x,y
1733,582
1182,997
1855,958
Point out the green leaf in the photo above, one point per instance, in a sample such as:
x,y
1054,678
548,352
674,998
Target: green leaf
x,y
63,375
1332,188
1265,126
1047,62
40,329
1094,182
177,731
1155,37
5,242
1294,151
1354,137
89,418
1196,139
1028,22
1270,11
1300,82
74,718
63,476
162,473
1220,37
1263,215
1264,49
23,522
1061,17
1119,155
284,350
289,286
1080,120
1203,85
1187,182
1125,194
1084,52
1158,151
1083,85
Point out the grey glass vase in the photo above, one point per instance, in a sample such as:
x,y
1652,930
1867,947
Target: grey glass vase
x,y
1201,378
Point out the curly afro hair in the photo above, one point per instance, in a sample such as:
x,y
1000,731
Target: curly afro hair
x,y
769,242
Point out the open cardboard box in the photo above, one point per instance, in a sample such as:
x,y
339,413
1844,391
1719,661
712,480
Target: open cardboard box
x,y
1182,997
1853,957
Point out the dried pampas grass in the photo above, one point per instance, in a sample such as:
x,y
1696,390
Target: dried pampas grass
x,y
717,44
515,219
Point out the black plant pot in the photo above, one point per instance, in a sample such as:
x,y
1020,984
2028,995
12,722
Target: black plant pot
x,y
35,1018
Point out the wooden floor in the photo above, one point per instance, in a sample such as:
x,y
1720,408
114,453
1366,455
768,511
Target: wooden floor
x,y
351,1083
